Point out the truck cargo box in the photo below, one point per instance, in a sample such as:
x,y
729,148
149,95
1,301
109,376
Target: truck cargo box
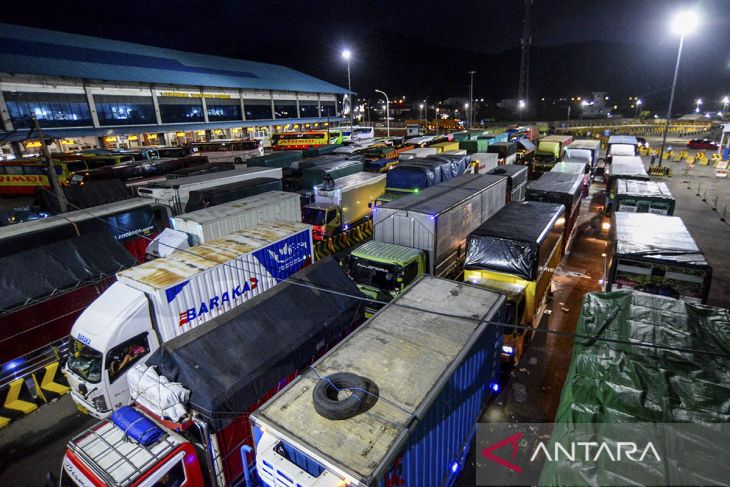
x,y
644,197
516,180
320,150
275,159
209,224
555,187
474,146
483,162
438,219
312,176
416,153
454,166
570,167
438,369
656,254
353,194
518,240
625,167
226,193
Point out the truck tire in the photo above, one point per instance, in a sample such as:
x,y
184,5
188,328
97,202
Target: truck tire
x,y
326,392
238,160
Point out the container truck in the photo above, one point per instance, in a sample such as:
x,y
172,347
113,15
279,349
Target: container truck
x,y
204,225
561,188
586,151
161,299
656,254
45,288
483,162
416,153
175,192
209,168
506,151
525,152
344,204
419,381
516,180
623,167
622,145
445,146
549,151
312,176
437,220
225,193
474,146
195,397
276,159
516,253
644,197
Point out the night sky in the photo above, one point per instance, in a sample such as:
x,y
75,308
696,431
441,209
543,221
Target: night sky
x,y
424,48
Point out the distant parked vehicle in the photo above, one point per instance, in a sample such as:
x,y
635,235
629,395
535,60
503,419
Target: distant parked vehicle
x,y
703,144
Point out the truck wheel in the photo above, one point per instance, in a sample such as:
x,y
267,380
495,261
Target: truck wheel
x,y
238,160
339,396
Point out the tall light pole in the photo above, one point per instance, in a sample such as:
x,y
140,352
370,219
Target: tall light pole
x,y
725,102
466,110
387,109
521,106
471,97
346,55
638,104
698,103
684,23
420,111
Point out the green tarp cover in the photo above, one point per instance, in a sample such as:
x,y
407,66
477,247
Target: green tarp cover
x,y
621,383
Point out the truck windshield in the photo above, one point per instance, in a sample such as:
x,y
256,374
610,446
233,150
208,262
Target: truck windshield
x,y
313,216
84,361
375,274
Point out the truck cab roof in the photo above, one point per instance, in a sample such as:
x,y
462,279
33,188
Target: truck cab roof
x,y
386,252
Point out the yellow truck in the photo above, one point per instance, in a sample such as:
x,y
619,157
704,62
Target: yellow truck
x,y
516,253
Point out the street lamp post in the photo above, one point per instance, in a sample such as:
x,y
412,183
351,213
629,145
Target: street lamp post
x,y
471,96
684,23
387,110
698,102
725,102
468,115
636,112
346,55
420,111
521,106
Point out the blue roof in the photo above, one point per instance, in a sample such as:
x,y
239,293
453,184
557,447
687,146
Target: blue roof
x,y
26,50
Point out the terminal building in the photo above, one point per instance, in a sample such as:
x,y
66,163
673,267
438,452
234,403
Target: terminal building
x,y
92,92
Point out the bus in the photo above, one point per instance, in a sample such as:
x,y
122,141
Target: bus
x,y
299,140
228,150
20,177
357,133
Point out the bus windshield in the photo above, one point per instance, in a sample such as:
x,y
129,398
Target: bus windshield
x,y
376,274
84,361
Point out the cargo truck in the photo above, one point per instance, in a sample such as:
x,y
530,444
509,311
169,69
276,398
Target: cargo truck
x,y
314,175
204,225
586,151
549,151
205,198
623,167
164,298
483,162
416,153
561,188
644,197
506,151
276,159
437,220
516,180
516,252
622,145
419,382
343,204
656,254
175,192
194,399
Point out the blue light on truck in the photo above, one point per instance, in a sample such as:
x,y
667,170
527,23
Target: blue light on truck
x,y
507,350
455,467
495,387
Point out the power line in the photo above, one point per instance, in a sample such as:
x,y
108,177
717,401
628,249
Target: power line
x,y
438,313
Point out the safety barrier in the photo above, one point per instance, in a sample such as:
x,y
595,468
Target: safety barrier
x,y
343,240
660,171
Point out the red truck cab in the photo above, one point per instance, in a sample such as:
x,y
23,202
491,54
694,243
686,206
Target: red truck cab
x,y
104,455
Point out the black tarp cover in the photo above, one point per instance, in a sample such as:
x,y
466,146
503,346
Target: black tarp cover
x,y
504,149
650,190
557,187
526,144
656,238
38,272
517,174
512,240
611,382
231,361
226,193
456,167
414,174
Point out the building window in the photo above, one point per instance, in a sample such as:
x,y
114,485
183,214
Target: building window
x,y
125,110
285,108
329,109
308,109
223,109
51,109
174,109
257,109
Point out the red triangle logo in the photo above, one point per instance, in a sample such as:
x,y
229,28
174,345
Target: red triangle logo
x,y
512,440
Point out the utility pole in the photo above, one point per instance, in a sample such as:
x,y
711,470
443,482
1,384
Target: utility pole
x,y
52,177
523,88
471,97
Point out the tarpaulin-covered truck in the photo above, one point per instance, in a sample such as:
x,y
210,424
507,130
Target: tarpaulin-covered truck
x,y
621,145
205,198
643,197
610,382
161,299
564,189
656,254
516,253
516,180
275,159
44,289
194,398
344,205
421,173
623,167
549,151
506,151
438,219
585,151
418,381
483,162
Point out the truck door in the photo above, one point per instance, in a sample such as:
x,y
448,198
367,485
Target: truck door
x,y
171,474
